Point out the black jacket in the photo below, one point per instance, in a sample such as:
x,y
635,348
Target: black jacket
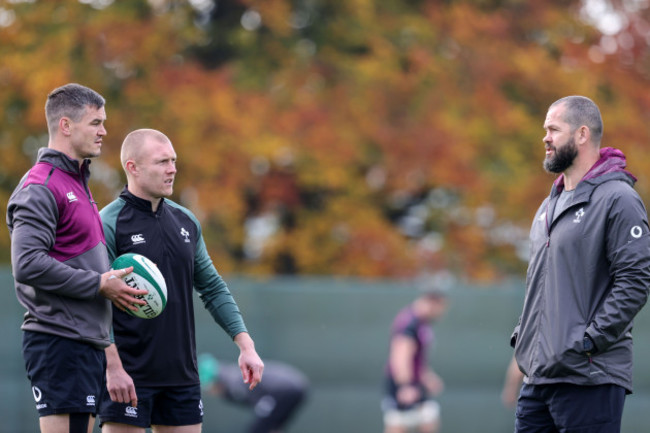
x,y
162,350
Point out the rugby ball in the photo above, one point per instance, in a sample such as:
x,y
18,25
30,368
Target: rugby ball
x,y
147,276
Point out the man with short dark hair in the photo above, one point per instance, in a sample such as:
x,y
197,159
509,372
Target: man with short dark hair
x,y
588,277
60,263
411,384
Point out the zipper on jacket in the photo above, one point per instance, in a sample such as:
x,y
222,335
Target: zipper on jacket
x,y
548,225
93,203
88,195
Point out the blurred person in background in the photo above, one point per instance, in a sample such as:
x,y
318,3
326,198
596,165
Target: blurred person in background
x,y
59,262
274,402
511,384
411,384
152,376
587,278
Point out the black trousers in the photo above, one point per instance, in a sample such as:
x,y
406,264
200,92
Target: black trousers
x,y
566,408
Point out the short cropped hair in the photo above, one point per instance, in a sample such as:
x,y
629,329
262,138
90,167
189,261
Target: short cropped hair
x,y
134,141
70,101
580,111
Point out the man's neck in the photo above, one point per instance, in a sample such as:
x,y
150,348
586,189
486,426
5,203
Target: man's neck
x,y
581,166
66,150
154,204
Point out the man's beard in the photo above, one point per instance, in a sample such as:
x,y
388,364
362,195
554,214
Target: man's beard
x,y
563,157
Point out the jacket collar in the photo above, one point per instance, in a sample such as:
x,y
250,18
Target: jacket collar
x,y
611,161
63,162
140,203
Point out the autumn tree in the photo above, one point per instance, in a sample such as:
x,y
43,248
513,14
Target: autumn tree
x,y
349,138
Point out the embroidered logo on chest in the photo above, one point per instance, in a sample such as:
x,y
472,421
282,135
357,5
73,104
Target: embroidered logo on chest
x,y
137,238
579,214
185,234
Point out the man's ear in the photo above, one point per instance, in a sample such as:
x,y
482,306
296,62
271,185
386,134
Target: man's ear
x,y
583,135
64,125
131,167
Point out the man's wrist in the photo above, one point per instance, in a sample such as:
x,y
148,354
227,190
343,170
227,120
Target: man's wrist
x,y
244,341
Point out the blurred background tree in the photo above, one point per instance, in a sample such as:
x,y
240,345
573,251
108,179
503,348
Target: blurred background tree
x,y
354,137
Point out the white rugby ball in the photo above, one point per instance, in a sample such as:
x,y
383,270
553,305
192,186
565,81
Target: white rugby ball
x,y
147,276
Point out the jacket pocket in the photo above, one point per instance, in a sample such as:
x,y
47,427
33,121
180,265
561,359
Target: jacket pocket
x,y
564,358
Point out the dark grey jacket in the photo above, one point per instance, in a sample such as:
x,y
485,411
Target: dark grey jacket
x,y
589,273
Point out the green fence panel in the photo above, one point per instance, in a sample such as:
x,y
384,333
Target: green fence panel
x,y
336,331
